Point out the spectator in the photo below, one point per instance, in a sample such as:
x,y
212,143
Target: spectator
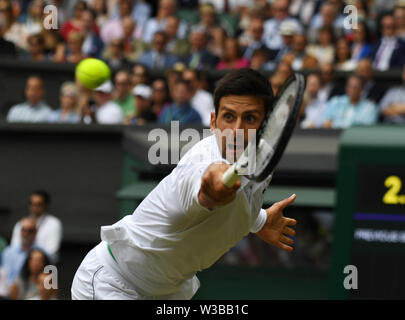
x,y
49,235
329,87
107,111
143,98
361,46
54,45
216,42
288,30
330,16
313,108
67,113
75,23
101,10
389,51
139,75
173,76
199,56
25,285
348,110
324,49
115,56
177,47
7,48
343,60
304,10
232,58
298,56
260,61
180,110
166,8
371,91
284,70
14,255
36,48
44,293
34,109
251,39
272,36
209,21
160,95
399,16
33,21
13,30
92,44
158,57
392,106
202,101
74,51
123,96
276,81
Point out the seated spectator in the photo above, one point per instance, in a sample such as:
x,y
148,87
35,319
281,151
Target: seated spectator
x,y
13,30
33,21
34,109
304,10
166,8
14,255
298,56
272,36
25,285
361,46
49,234
92,44
324,49
232,58
123,95
343,60
74,49
251,39
143,100
348,110
67,113
372,90
7,48
139,75
199,56
392,106
180,109
312,107
100,7
160,95
175,46
208,19
329,86
36,48
158,57
260,60
216,42
389,51
107,111
75,23
202,101
115,56
399,16
54,45
44,293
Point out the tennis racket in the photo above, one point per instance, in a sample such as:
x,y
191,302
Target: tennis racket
x,y
273,135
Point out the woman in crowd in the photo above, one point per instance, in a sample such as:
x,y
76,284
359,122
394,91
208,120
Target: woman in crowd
x,y
232,58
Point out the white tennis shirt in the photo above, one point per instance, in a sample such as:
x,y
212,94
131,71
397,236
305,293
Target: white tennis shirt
x,y
170,236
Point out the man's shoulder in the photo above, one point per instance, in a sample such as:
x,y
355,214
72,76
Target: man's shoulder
x,y
51,219
204,151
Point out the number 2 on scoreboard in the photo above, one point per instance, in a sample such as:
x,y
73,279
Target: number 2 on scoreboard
x,y
394,184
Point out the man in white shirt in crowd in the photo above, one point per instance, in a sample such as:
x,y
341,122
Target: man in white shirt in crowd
x,y
48,227
34,109
202,101
191,218
107,111
313,107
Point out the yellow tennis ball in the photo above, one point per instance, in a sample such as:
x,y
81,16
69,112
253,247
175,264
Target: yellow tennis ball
x,y
92,72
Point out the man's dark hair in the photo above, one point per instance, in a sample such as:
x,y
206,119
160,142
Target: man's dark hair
x,y
244,82
45,195
358,77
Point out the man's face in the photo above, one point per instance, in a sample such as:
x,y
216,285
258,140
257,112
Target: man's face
x,y
28,232
388,26
327,73
365,69
236,112
313,85
172,26
159,43
353,89
34,90
190,76
142,104
37,205
138,76
87,21
181,93
122,84
280,9
197,40
256,29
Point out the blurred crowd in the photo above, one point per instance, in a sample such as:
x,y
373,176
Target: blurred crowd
x,y
184,39
34,246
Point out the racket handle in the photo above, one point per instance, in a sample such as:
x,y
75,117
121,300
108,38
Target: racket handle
x,y
230,177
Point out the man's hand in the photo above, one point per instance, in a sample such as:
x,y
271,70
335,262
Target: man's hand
x,y
213,192
277,227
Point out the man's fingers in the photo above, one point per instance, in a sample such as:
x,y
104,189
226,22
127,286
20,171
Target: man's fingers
x,y
289,231
284,203
286,240
285,247
291,222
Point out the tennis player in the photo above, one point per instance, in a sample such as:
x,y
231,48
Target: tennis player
x,y
191,218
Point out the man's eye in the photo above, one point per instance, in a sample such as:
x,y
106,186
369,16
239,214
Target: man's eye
x,y
251,119
228,116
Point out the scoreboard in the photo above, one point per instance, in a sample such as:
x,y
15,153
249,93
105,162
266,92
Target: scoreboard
x,y
369,232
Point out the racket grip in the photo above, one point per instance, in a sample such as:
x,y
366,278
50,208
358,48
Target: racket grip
x,y
230,177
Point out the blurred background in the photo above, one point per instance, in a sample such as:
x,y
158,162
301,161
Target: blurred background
x,y
74,159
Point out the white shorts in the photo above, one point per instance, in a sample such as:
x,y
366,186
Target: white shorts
x,y
99,278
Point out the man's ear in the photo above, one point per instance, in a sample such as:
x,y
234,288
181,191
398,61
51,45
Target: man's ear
x,y
213,121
